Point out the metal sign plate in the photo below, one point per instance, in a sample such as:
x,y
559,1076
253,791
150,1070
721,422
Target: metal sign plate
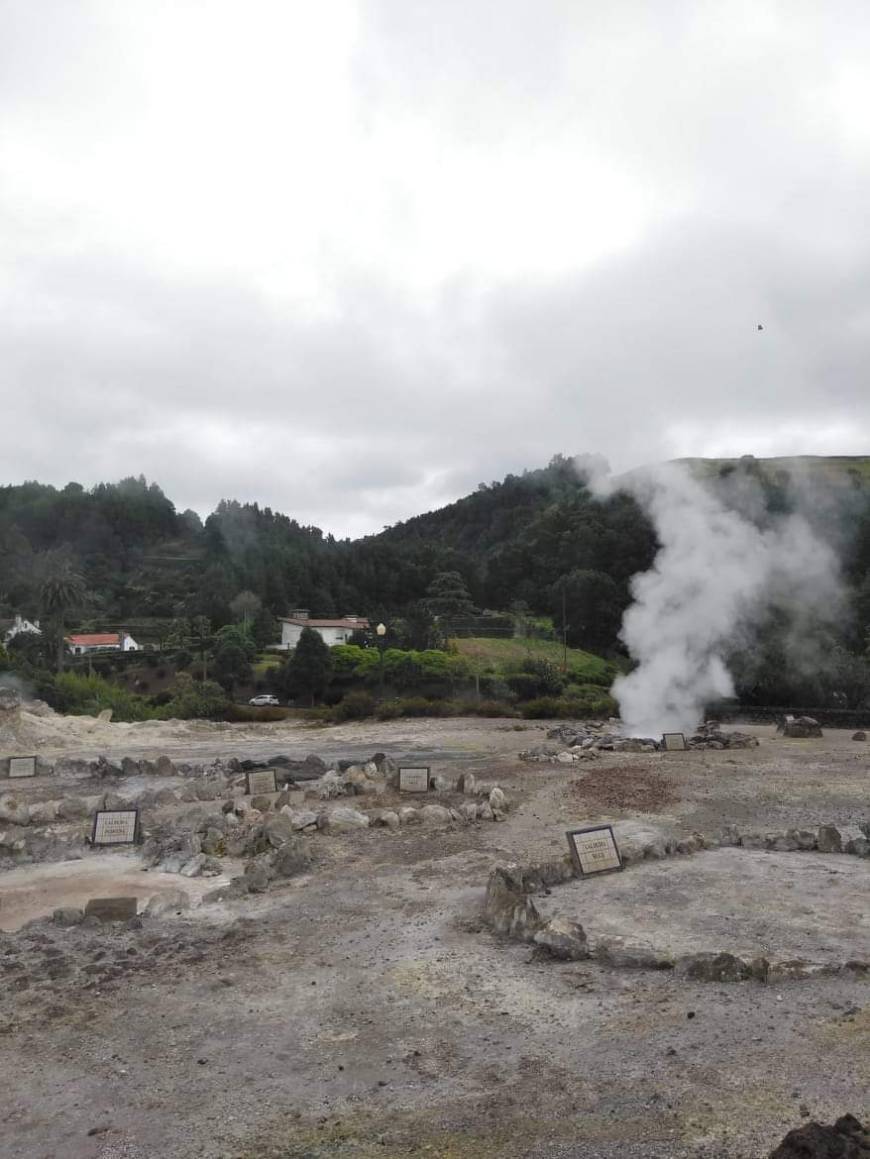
x,y
115,827
593,850
414,779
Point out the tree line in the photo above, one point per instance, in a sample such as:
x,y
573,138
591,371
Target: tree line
x,y
538,545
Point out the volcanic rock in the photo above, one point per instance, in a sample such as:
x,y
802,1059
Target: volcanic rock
x,y
829,839
291,858
13,811
563,939
799,727
170,901
846,1139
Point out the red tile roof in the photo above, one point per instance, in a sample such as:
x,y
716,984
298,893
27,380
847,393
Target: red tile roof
x,y
97,640
301,622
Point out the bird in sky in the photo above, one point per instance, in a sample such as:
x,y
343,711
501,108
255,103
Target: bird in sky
x,y
760,327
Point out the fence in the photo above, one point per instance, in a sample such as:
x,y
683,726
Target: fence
x,y
765,713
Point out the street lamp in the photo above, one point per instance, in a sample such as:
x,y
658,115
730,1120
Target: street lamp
x,y
381,631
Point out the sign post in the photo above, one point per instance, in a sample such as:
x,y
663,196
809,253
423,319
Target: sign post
x,y
674,742
414,780
261,781
593,850
22,766
115,827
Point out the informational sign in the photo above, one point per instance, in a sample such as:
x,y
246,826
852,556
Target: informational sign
x,y
115,827
593,850
22,766
414,779
261,781
674,742
112,909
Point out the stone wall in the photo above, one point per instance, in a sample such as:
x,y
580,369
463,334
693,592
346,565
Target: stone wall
x,y
510,910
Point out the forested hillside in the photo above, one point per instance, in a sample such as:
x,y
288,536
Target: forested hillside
x,y
518,540
528,543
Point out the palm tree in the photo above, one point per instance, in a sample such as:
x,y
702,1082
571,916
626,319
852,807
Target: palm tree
x,y
62,588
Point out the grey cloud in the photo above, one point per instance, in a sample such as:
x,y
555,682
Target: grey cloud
x,y
386,397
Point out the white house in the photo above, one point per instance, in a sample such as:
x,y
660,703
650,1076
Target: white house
x,y
81,643
19,624
332,631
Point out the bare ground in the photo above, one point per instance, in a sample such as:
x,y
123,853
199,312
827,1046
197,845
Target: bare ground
x,y
361,1010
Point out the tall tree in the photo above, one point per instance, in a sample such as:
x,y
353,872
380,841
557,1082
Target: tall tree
x,y
593,606
308,671
61,589
448,596
231,665
265,628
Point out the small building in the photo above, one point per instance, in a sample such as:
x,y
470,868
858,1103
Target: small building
x,y
82,643
20,624
331,631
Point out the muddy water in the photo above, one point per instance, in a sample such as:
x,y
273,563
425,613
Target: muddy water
x,y
34,891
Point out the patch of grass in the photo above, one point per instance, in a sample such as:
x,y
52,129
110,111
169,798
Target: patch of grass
x,y
266,662
504,656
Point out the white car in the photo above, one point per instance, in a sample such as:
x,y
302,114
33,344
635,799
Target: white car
x,y
263,700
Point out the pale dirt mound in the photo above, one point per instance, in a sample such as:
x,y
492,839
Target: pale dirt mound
x,y
35,727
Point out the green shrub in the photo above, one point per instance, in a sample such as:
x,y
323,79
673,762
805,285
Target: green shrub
x,y
490,708
524,685
541,708
494,688
421,706
352,662
82,695
414,706
550,679
358,705
388,710
195,700
590,703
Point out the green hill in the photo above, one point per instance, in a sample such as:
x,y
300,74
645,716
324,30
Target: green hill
x,y
850,470
532,539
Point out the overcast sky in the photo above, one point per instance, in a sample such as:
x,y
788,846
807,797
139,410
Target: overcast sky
x,y
349,258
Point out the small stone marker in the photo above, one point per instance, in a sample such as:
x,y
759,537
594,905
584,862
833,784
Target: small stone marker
x,y
674,742
414,779
112,909
261,781
22,766
115,827
593,850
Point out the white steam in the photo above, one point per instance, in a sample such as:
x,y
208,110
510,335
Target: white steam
x,y
715,574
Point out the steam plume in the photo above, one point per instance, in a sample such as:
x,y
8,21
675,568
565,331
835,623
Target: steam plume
x,y
715,574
